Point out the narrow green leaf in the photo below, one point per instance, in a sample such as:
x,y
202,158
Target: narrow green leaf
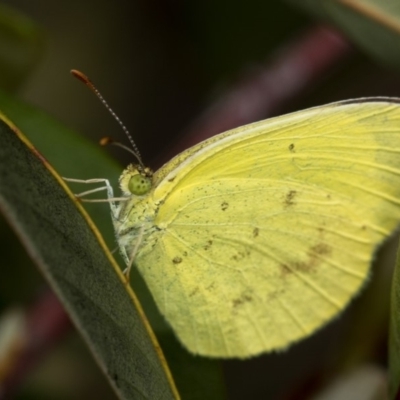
x,y
69,153
69,252
73,156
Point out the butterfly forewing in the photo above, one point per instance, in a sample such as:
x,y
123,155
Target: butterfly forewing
x,y
264,233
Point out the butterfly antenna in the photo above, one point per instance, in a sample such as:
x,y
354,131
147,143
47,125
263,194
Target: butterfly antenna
x,y
83,78
107,140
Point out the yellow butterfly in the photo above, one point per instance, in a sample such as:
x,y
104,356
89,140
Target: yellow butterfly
x,y
257,237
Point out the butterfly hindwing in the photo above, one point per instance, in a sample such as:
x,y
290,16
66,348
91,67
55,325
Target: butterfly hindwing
x,y
266,232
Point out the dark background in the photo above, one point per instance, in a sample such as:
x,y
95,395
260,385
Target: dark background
x,y
160,64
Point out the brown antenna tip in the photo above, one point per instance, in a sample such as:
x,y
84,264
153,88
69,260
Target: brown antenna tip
x,y
105,141
83,78
79,75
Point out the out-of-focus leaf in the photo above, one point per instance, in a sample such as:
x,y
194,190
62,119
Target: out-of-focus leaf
x,y
374,25
21,46
73,156
364,383
12,339
70,254
394,334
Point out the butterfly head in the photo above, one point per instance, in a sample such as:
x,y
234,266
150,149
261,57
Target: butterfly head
x,y
136,180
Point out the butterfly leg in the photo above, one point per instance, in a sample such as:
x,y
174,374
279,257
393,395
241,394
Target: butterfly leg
x,y
131,258
110,193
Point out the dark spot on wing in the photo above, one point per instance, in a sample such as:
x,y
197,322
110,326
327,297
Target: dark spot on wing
x,y
291,147
210,287
290,197
275,294
194,291
208,245
171,179
305,266
320,249
177,260
239,301
285,270
224,206
256,231
315,255
240,255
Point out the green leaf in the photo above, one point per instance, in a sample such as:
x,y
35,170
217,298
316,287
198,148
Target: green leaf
x,y
373,24
70,254
69,153
74,157
21,47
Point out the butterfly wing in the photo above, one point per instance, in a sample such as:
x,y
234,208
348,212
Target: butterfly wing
x,y
266,232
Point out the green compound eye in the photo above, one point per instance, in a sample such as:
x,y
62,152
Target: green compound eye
x,y
139,184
